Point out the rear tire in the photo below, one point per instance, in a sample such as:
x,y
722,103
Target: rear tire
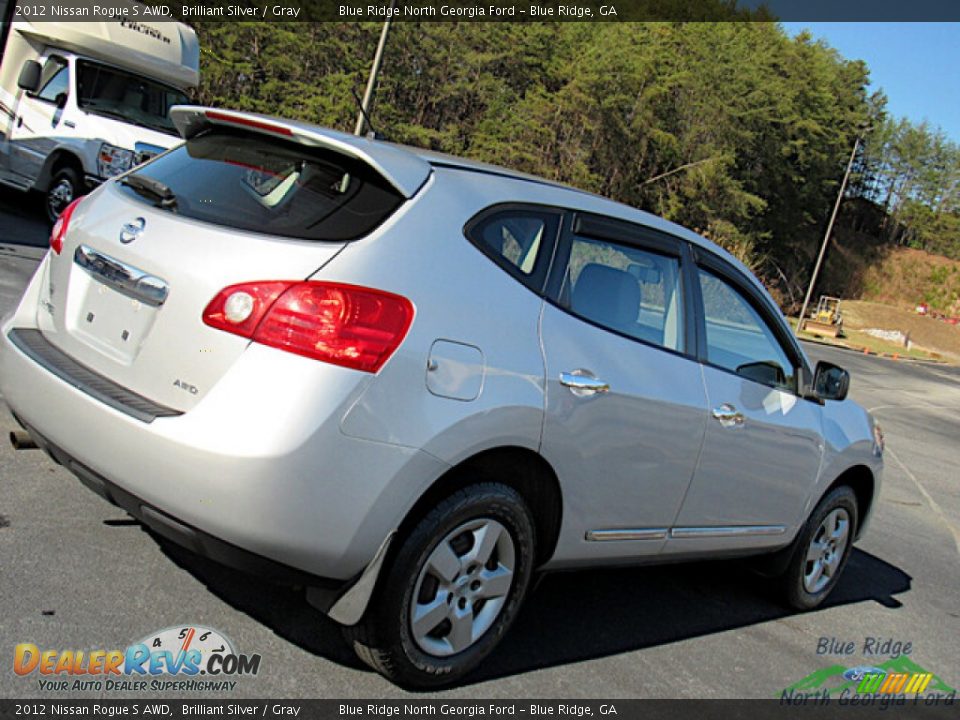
x,y
453,589
64,189
822,550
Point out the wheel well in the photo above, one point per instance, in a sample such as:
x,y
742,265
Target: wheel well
x,y
55,163
858,478
519,468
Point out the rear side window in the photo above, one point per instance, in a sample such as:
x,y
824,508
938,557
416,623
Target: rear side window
x,y
261,184
623,288
518,238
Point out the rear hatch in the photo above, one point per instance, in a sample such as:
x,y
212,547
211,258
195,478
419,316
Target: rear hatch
x,y
144,256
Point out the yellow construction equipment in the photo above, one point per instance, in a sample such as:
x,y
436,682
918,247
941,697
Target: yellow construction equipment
x,y
826,320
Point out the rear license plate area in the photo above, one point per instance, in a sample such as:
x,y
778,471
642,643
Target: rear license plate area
x,y
106,319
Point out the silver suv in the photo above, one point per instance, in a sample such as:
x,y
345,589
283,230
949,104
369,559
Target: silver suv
x,y
409,382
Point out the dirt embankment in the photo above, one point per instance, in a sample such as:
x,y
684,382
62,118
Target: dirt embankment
x,y
881,286
858,268
924,332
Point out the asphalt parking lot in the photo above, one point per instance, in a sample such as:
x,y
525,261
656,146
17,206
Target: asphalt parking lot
x,y
77,573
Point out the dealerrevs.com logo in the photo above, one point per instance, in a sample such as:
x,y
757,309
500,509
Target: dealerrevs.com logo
x,y
186,658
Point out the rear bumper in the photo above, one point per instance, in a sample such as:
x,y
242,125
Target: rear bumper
x,y
259,466
191,538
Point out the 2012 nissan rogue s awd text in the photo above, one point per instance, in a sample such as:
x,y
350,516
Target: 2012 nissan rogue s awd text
x,y
408,382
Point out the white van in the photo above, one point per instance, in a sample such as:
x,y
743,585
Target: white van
x,y
81,102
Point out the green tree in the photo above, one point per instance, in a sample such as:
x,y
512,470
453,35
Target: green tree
x,y
733,129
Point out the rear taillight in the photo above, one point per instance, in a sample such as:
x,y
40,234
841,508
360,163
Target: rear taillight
x,y
345,325
225,311
60,226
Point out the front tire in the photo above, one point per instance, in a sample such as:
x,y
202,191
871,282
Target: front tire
x,y
63,190
453,589
822,550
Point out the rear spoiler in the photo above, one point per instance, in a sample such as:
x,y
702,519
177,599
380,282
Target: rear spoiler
x,y
402,169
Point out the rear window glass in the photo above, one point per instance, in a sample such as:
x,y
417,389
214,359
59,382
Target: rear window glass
x,y
254,182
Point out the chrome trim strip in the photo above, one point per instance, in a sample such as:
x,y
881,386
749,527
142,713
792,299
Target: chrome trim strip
x,y
727,531
349,608
626,534
125,279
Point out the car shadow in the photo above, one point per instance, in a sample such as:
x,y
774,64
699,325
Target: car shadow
x,y
281,608
573,616
22,218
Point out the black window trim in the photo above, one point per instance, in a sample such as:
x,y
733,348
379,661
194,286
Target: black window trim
x,y
642,237
761,304
537,280
625,232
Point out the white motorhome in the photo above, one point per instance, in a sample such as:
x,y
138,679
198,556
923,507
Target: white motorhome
x,y
81,102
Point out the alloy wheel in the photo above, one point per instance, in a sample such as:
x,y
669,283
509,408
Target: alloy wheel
x,y
826,551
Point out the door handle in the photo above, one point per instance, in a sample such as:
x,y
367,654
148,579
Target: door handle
x,y
728,416
582,384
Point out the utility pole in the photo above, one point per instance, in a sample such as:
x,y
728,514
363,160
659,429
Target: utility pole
x,y
374,72
826,237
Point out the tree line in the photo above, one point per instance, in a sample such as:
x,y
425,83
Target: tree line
x,y
733,129
912,173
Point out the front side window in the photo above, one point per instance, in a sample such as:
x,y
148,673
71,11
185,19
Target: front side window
x,y
623,288
54,79
134,99
739,339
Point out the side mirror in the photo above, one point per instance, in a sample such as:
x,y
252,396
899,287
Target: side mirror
x,y
29,79
766,372
830,382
